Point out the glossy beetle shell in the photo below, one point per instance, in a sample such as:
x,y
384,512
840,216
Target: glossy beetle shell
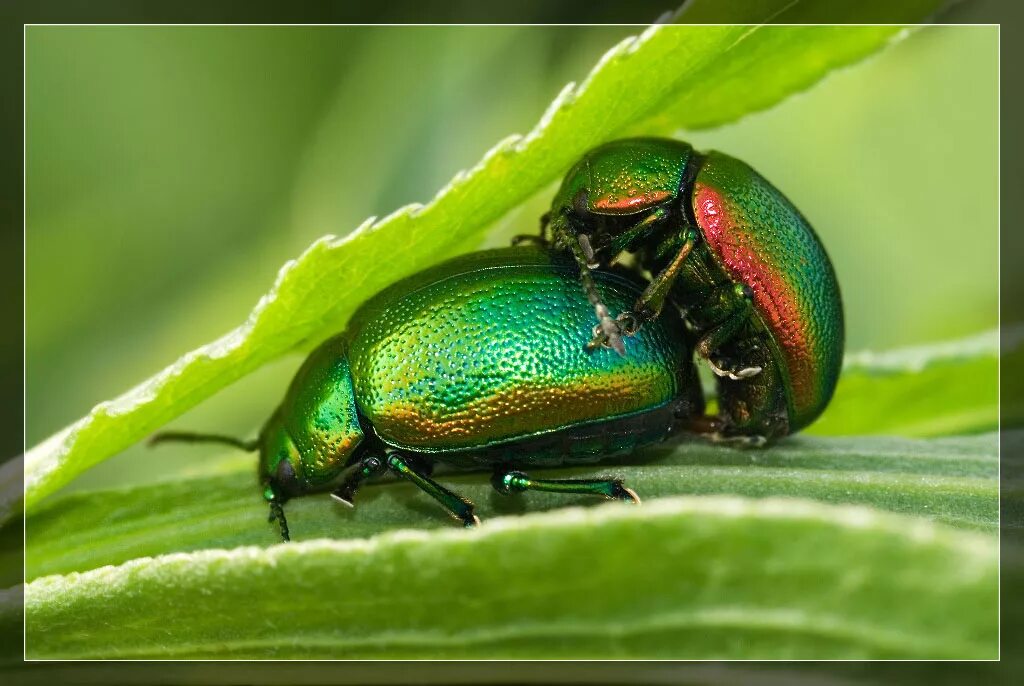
x,y
626,177
750,234
761,240
493,354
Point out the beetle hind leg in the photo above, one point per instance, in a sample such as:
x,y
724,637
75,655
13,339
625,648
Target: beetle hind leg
x,y
507,481
728,369
458,507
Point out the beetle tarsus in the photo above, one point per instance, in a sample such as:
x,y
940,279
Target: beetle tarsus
x,y
737,375
609,330
627,323
746,441
625,493
354,476
508,481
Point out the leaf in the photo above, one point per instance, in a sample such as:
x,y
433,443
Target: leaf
x,y
953,480
668,78
807,11
933,390
670,580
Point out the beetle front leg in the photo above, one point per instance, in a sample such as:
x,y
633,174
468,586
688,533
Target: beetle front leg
x,y
638,232
650,303
540,239
458,507
507,481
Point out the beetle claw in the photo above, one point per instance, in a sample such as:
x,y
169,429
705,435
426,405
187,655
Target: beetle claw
x,y
340,498
629,495
741,442
739,375
607,335
616,344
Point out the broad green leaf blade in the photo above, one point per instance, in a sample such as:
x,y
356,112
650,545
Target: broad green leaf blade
x,y
629,91
752,67
953,480
933,390
672,580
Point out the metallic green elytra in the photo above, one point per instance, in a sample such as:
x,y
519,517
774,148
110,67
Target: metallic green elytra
x,y
477,362
733,253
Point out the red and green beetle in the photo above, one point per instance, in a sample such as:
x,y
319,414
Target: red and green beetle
x,y
733,253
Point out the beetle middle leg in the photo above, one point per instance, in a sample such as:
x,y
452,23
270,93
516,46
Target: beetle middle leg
x,y
507,481
354,476
458,507
736,309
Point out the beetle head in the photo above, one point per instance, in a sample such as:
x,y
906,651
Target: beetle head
x,y
606,196
280,462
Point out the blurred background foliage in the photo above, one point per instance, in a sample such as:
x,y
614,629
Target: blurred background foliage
x,y
171,171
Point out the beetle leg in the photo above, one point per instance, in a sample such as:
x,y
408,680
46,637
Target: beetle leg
x,y
752,441
648,306
650,303
737,314
354,476
564,237
713,429
506,481
641,229
609,329
457,506
540,239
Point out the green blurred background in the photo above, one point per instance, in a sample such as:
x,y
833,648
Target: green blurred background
x,y
171,171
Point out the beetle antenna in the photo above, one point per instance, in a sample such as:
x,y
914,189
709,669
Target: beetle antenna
x,y
277,512
579,249
191,437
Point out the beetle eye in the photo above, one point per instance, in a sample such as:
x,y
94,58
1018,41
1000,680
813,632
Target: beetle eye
x,y
285,479
580,204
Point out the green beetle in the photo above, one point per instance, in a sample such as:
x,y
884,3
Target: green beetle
x,y
740,260
475,363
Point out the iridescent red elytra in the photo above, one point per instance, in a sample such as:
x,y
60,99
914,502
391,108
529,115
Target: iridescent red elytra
x,y
734,254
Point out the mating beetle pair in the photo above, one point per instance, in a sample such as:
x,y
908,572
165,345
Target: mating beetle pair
x,y
484,361
727,247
